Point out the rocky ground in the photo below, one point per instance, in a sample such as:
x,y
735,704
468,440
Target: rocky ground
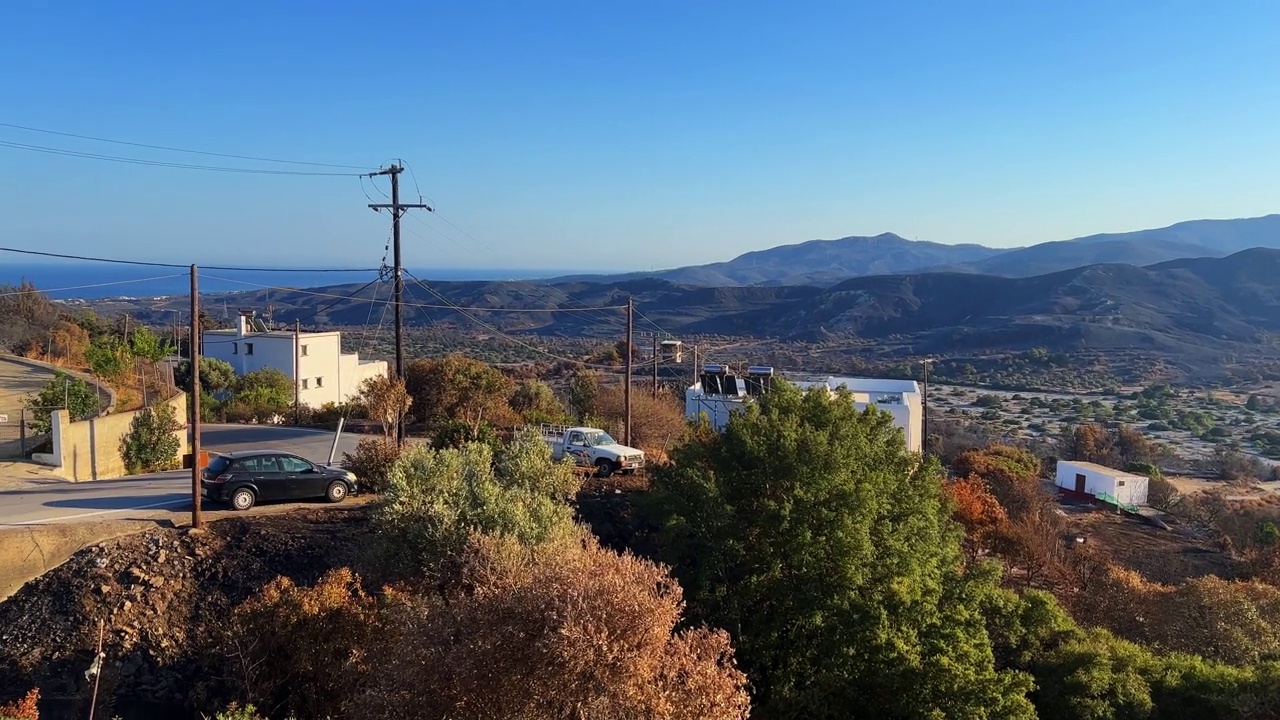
x,y
161,598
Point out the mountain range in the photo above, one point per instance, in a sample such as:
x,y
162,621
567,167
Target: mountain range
x,y
1195,311
827,262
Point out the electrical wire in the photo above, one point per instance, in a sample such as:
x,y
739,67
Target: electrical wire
x,y
514,339
181,150
145,263
94,285
448,306
163,163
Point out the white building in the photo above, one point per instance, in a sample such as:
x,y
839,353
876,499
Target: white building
x,y
315,361
1090,480
719,393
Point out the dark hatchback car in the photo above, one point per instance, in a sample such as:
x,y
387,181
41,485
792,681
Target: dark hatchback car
x,y
244,479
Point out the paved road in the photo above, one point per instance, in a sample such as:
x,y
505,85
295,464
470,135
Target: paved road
x,y
159,495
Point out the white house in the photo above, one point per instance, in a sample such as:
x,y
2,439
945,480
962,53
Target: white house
x,y
314,360
1090,480
718,392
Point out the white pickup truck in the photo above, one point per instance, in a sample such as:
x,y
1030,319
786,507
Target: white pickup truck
x,y
592,447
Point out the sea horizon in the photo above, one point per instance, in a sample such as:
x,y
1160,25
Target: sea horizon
x,y
87,280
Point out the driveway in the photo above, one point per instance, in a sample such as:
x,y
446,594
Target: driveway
x,y
161,495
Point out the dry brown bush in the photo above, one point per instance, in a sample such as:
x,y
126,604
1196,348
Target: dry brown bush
x,y
372,461
657,424
23,709
565,630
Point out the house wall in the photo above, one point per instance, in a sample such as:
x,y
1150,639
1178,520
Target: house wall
x,y
1095,481
906,416
90,449
323,373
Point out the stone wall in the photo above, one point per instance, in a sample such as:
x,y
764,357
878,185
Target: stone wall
x,y
90,449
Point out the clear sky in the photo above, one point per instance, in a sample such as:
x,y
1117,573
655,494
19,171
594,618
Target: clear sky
x,y
633,135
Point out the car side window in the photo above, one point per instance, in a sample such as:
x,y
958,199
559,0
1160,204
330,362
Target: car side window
x,y
294,465
247,465
577,438
271,464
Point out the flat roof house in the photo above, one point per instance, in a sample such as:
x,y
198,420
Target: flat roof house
x,y
719,392
313,360
1089,481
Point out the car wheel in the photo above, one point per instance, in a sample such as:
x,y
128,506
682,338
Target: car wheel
x,y
337,492
604,468
242,499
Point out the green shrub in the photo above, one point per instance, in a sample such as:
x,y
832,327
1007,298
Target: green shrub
x,y
151,445
435,499
62,392
372,462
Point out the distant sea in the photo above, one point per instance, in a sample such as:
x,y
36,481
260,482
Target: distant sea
x,y
90,280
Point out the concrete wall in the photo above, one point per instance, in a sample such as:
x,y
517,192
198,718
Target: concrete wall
x,y
90,449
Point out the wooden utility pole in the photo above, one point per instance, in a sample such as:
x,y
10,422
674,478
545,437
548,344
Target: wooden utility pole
x,y
626,389
655,365
397,211
196,521
297,372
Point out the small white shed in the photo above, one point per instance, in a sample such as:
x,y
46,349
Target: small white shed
x,y
1091,480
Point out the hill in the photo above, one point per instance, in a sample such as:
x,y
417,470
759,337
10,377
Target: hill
x,y
1195,311
827,262
818,262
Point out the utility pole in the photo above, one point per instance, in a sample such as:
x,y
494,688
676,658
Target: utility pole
x,y
626,389
397,211
195,400
655,365
297,372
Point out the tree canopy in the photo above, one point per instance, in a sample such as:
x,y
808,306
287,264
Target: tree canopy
x,y
811,533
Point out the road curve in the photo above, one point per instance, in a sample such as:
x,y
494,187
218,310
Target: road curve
x,y
160,494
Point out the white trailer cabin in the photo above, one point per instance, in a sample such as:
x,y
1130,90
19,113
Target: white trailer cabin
x,y
1091,480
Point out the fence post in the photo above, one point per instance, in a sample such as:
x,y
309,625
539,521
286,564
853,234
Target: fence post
x,y
22,432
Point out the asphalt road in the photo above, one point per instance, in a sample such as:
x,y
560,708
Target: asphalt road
x,y
163,494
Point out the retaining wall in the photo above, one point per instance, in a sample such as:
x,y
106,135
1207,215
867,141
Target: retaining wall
x,y
90,449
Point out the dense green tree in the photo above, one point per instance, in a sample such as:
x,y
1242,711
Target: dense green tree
x,y
144,344
216,376
268,388
62,392
537,403
824,546
456,387
584,389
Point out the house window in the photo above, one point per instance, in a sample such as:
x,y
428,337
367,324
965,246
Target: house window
x,y
303,351
319,382
304,383
248,348
235,348
1119,483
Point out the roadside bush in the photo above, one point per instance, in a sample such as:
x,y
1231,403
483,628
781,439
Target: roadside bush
x,y
330,412
151,444
372,462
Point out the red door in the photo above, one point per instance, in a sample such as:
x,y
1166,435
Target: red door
x,y
1080,483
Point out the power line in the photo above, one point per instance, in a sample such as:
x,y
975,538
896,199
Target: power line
x,y
94,285
162,163
508,337
449,306
146,263
181,150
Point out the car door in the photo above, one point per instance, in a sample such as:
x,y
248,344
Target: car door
x,y
301,478
576,447
270,479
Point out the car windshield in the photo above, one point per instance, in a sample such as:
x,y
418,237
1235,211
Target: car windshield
x,y
600,438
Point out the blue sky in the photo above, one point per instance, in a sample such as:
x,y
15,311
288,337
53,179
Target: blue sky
x,y
629,135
